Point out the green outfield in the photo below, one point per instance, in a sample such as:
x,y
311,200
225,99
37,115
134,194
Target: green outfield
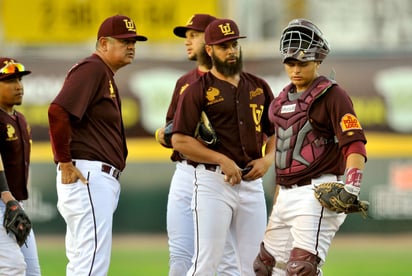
x,y
146,255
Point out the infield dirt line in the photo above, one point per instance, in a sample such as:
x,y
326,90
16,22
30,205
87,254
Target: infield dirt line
x,y
160,240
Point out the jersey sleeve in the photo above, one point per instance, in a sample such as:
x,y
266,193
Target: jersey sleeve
x,y
188,109
346,125
79,87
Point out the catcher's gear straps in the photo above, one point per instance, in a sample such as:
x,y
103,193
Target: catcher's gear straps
x,y
302,262
264,262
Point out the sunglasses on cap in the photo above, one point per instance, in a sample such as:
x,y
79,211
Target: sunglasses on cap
x,y
11,68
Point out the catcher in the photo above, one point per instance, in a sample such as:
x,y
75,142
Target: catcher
x,y
319,160
18,254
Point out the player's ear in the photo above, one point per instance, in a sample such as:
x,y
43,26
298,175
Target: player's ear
x,y
209,49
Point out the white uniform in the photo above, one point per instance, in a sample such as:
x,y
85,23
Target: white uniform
x,y
15,262
88,211
312,232
235,205
180,227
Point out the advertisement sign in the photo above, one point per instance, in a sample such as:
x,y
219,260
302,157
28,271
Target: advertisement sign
x,y
42,22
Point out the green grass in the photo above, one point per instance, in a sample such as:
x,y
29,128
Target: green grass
x,y
148,256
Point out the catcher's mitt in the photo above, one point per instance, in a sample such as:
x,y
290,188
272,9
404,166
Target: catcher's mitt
x,y
16,221
168,134
205,132
334,197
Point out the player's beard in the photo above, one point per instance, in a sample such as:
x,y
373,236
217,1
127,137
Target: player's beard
x,y
204,59
228,69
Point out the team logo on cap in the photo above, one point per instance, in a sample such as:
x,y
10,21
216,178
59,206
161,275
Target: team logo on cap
x,y
129,25
190,21
226,29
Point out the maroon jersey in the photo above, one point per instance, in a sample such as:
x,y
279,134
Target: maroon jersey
x,y
311,129
91,97
15,146
239,114
181,84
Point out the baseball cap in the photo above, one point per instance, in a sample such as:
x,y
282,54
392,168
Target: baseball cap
x,y
11,68
221,30
119,26
197,22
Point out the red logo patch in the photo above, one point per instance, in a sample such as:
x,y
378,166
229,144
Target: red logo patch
x,y
349,122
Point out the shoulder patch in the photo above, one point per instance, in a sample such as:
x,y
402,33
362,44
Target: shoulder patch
x,y
183,88
349,122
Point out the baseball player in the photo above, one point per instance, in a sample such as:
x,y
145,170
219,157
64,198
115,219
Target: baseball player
x,y
224,200
179,215
15,146
89,146
319,139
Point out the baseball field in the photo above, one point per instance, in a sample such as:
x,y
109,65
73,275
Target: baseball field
x,y
147,255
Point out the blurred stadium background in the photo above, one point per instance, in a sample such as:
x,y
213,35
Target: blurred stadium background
x,y
371,43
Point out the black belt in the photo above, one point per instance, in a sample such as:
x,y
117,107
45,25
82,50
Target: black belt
x,y
212,167
209,167
304,183
107,169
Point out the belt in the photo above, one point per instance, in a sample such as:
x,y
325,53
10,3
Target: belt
x,y
111,171
209,167
212,168
295,185
107,169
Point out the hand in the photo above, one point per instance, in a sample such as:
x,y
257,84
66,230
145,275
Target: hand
x,y
233,174
70,174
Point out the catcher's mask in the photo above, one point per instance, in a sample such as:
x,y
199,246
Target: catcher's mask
x,y
303,41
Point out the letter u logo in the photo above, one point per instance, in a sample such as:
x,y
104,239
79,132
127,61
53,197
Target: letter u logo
x,y
226,29
129,25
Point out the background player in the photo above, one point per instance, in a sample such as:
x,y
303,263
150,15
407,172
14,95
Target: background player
x,y
236,103
179,215
318,140
89,145
15,147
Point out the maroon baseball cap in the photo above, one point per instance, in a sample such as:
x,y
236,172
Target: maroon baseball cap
x,y
11,68
119,26
197,22
221,30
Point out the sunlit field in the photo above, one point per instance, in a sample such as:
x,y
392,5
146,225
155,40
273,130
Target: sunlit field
x,y
147,255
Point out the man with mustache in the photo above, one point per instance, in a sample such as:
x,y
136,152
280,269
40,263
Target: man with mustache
x,y
89,146
225,200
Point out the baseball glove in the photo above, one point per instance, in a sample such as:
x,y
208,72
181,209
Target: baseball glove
x,y
334,197
168,134
205,132
16,221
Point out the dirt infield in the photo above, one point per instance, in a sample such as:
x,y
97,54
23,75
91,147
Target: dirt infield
x,y
160,240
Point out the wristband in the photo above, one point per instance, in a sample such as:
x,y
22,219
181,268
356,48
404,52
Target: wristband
x,y
4,187
353,180
157,135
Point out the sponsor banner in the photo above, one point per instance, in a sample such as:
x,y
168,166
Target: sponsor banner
x,y
74,21
379,87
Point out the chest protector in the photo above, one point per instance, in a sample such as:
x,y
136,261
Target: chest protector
x,y
298,147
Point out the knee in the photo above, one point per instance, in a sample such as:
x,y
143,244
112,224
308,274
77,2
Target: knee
x,y
302,263
264,262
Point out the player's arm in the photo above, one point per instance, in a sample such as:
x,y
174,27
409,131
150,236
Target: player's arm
x,y
355,155
60,136
6,195
194,150
260,166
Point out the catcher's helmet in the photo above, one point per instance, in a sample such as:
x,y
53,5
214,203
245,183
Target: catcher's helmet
x,y
303,41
